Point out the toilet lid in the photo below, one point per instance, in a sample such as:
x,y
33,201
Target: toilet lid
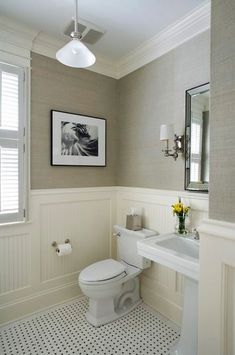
x,y
102,270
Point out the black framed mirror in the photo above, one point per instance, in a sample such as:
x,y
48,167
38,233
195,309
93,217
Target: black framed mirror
x,y
197,148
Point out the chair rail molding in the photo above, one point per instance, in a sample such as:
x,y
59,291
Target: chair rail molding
x,y
217,288
161,288
33,277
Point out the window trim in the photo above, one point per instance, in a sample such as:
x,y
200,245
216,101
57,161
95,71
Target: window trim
x,y
23,134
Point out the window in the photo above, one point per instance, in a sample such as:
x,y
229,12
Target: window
x,y
196,149
12,132
196,138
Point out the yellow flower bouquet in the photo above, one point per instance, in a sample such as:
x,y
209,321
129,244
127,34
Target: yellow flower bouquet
x,y
181,211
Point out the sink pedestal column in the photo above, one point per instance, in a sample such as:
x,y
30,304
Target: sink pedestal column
x,y
189,332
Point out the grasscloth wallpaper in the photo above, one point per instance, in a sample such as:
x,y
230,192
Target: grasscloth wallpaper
x,y
148,97
55,86
222,166
135,106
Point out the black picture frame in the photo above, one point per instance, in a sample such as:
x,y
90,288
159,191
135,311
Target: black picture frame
x,y
77,139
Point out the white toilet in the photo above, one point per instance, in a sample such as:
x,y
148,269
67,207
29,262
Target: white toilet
x,y
113,286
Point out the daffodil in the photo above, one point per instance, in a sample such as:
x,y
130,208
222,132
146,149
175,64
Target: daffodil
x,y
179,209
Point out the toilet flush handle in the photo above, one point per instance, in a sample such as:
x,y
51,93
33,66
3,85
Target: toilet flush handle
x,y
118,234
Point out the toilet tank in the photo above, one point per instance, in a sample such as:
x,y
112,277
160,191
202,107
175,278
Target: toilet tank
x,y
127,245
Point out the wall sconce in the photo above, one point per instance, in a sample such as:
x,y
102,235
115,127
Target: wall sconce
x,y
166,134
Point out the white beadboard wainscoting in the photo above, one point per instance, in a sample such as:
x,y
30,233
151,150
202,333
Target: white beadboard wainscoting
x,y
217,288
33,277
161,287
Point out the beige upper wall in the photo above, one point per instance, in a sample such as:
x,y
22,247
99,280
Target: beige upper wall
x,y
55,86
134,106
150,96
222,165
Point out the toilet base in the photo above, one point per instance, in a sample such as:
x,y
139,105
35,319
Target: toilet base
x,y
97,322
105,310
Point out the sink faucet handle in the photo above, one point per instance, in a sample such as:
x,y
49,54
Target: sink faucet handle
x,y
196,235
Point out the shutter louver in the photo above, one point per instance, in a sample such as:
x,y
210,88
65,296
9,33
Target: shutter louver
x,y
9,101
9,179
11,143
195,140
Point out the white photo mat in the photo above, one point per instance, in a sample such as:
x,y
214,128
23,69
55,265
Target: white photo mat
x,y
77,140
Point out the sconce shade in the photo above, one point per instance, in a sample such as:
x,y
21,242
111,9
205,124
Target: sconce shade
x,y
75,54
166,132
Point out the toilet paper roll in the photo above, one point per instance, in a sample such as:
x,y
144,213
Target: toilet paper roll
x,y
64,249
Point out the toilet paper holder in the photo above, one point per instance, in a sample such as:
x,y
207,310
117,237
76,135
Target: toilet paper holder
x,y
55,244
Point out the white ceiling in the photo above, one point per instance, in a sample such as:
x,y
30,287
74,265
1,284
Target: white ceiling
x,y
128,23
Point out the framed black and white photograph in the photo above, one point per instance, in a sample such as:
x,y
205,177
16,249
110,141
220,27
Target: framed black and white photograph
x,y
77,139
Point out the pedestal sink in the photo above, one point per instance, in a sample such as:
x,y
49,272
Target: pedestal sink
x,y
181,254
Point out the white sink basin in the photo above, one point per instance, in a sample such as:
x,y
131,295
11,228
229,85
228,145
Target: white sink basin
x,y
178,253
182,255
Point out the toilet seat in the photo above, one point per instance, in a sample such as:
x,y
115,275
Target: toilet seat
x,y
102,272
111,286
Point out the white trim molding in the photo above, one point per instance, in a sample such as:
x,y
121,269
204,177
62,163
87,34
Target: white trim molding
x,y
189,26
15,41
19,39
75,190
161,288
217,288
34,277
219,229
48,46
13,56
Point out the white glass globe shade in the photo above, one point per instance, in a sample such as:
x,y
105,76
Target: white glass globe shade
x,y
75,54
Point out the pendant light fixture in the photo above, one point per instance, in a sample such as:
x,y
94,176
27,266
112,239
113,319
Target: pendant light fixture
x,y
75,54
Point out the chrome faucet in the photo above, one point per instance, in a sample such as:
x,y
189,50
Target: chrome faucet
x,y
196,235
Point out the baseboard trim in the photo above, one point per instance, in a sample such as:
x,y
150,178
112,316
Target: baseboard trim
x,y
45,290
38,302
165,307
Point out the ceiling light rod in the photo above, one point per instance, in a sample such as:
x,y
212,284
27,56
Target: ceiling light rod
x,y
75,54
75,33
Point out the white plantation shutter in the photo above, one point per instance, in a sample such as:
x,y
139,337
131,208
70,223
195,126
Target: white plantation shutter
x,y
9,100
196,138
11,143
9,170
196,149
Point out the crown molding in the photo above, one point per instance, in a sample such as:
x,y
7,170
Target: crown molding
x,y
20,40
105,66
189,26
15,33
15,40
48,46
